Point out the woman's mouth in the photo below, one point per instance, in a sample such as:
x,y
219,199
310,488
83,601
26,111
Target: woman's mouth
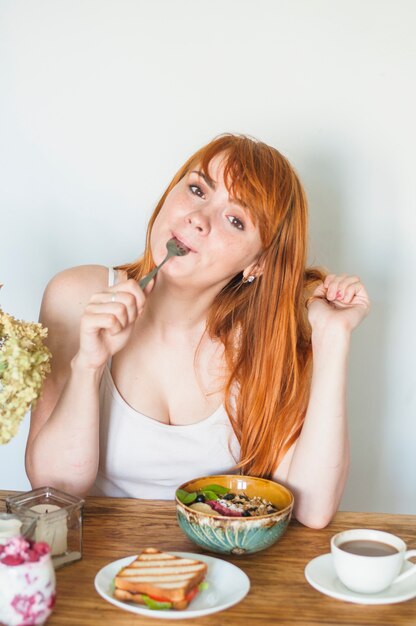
x,y
183,244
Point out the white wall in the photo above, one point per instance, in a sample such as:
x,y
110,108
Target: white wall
x,y
102,100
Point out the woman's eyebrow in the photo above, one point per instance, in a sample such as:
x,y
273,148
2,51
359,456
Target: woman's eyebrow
x,y
208,180
211,183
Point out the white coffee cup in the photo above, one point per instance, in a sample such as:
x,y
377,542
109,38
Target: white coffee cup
x,y
370,574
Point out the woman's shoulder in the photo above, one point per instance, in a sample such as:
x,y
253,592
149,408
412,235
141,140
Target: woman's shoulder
x,y
78,280
68,292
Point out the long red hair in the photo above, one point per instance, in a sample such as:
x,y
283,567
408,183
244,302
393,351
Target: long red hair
x,y
262,325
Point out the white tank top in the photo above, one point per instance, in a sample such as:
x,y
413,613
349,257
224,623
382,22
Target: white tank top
x,y
141,457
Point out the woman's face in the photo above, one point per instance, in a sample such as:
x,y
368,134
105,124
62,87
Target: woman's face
x,y
218,231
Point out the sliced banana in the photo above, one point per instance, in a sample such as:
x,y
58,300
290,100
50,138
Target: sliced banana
x,y
202,508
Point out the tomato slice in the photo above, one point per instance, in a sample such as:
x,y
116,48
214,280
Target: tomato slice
x,y
158,598
189,596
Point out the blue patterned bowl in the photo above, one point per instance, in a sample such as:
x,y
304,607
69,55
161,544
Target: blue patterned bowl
x,y
236,535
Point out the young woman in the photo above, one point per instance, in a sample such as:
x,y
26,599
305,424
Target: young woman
x,y
233,359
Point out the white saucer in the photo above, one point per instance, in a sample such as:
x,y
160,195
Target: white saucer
x,y
321,575
227,585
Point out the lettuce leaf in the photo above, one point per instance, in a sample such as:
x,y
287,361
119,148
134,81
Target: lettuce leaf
x,y
155,605
202,586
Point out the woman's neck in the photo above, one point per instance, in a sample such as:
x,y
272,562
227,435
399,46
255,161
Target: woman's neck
x,y
174,309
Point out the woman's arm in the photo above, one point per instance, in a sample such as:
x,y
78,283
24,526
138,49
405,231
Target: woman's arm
x,y
316,466
85,328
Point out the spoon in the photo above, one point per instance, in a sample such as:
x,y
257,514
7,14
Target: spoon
x,y
175,248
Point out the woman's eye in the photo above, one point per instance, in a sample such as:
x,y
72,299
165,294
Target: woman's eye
x,y
236,222
197,191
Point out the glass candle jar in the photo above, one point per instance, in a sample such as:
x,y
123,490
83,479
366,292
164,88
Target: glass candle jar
x,y
58,521
27,583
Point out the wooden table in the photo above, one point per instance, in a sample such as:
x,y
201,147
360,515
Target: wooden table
x,y
279,594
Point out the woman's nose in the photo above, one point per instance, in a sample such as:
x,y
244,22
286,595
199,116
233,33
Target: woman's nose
x,y
200,220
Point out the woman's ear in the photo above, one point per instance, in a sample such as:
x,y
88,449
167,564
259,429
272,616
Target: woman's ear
x,y
253,271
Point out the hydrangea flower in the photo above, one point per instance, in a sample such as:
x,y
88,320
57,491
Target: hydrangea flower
x,y
24,364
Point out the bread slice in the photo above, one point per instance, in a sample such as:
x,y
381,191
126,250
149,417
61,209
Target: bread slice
x,y
137,598
161,576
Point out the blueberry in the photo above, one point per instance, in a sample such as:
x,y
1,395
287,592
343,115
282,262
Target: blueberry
x,y
200,498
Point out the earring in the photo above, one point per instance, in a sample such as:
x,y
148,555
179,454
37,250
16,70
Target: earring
x,y
249,279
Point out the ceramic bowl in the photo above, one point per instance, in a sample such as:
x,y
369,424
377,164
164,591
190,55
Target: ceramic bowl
x,y
236,535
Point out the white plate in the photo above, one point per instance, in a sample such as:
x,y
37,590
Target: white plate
x,y
321,575
228,585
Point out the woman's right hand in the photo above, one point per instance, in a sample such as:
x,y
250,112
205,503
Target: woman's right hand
x,y
108,321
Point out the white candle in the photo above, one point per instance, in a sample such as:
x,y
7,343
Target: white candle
x,y
52,528
9,528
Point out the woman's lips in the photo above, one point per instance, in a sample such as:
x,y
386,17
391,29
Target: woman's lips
x,y
184,242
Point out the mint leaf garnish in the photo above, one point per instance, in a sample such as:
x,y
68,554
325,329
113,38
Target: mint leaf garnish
x,y
219,489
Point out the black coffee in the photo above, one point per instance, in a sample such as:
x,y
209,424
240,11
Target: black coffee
x,y
366,547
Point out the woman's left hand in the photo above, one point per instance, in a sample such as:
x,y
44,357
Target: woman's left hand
x,y
340,300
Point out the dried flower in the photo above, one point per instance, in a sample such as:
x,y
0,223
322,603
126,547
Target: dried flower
x,y
24,363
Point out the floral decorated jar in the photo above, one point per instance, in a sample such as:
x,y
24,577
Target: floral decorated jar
x,y
27,582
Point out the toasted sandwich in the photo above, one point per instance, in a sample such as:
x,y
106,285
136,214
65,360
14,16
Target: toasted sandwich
x,y
160,580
